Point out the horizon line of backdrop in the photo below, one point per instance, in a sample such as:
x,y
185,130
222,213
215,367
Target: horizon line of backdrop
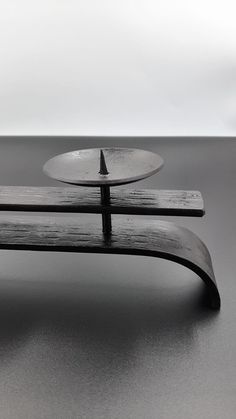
x,y
118,68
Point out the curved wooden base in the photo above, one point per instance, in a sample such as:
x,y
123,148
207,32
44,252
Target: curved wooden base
x,y
129,236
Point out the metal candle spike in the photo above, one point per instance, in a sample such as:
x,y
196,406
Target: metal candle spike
x,y
103,166
105,197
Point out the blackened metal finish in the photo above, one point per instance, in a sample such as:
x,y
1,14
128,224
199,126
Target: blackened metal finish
x,y
106,213
103,167
105,197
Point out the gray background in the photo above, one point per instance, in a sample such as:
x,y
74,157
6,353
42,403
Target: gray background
x,y
108,67
106,336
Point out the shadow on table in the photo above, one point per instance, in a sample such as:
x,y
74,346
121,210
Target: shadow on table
x,y
111,320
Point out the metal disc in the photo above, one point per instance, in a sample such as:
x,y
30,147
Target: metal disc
x,y
124,165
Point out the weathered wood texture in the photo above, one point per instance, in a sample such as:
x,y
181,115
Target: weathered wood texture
x,y
149,238
123,201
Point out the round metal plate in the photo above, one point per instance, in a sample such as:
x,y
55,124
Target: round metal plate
x,y
81,167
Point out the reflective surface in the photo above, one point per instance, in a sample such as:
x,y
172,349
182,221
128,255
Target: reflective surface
x,y
82,167
104,336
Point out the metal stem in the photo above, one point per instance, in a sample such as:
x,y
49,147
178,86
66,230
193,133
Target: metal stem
x,y
105,197
106,215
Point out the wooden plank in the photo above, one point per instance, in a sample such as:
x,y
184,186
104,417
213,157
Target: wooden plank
x,y
129,236
87,200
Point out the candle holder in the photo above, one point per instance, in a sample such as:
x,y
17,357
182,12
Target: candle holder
x,y
98,173
89,167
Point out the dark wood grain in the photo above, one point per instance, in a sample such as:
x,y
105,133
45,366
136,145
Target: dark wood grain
x,y
129,236
123,201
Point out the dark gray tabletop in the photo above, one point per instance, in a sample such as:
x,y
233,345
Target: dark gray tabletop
x,y
108,336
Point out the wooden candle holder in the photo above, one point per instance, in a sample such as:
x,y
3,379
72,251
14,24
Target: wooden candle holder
x,y
123,235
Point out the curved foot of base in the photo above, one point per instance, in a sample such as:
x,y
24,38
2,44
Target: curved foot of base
x,y
168,241
135,237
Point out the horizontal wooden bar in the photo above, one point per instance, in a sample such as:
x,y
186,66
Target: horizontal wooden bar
x,y
87,200
81,234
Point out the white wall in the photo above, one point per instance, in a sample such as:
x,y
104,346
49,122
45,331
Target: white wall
x,y
118,67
